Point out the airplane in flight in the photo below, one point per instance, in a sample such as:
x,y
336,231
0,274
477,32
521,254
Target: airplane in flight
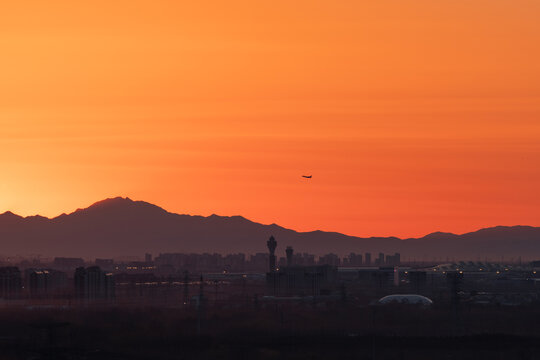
x,y
307,176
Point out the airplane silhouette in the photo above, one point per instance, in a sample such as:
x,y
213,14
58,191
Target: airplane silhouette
x,y
307,177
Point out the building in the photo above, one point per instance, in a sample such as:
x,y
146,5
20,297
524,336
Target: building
x,y
303,259
393,260
409,299
258,262
368,259
377,277
354,259
138,267
234,262
92,284
45,282
296,279
330,259
10,282
380,260
289,251
302,280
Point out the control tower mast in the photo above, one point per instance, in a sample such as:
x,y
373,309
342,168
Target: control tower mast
x,y
272,244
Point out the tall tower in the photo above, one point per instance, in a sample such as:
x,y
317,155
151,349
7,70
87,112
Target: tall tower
x,y
289,252
272,244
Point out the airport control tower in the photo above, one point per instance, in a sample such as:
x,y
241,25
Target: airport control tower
x,y
289,252
272,244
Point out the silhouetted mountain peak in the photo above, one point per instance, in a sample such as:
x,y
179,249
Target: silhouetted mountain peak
x,y
438,235
505,231
36,218
111,202
233,218
506,228
8,218
10,214
119,205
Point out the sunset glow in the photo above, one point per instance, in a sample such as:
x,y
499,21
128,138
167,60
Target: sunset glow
x,y
412,117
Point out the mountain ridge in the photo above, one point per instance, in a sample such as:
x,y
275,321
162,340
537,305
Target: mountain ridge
x,y
120,227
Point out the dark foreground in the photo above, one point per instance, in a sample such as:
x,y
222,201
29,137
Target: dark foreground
x,y
273,332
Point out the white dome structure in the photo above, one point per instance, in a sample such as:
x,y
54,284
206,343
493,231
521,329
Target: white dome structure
x,y
406,299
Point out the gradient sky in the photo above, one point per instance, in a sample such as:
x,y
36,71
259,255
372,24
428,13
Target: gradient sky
x,y
412,115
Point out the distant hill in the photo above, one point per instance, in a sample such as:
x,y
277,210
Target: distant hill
x,y
123,227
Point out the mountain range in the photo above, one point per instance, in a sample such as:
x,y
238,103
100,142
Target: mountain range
x,y
119,227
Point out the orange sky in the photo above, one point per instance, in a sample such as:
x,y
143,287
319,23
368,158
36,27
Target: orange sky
x,y
412,115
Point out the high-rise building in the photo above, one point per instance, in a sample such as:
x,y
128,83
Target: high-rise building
x,y
289,251
355,259
368,259
10,282
397,259
45,282
259,262
92,283
330,259
380,260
